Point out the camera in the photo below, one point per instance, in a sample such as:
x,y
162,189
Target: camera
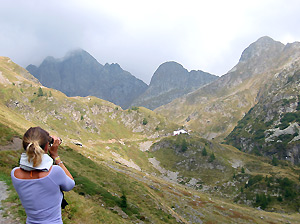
x,y
52,140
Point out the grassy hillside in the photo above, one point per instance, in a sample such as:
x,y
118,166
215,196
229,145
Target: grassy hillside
x,y
226,172
112,193
111,196
117,179
78,118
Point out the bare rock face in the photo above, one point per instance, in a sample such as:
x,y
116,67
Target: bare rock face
x,y
170,81
79,74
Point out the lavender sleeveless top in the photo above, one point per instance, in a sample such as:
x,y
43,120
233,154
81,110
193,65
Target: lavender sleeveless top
x,y
42,197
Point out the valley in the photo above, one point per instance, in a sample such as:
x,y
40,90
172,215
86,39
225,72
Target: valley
x,y
128,166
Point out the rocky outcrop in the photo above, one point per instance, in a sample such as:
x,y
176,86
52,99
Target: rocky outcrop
x,y
79,74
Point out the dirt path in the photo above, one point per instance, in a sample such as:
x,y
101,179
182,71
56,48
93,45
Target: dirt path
x,y
3,195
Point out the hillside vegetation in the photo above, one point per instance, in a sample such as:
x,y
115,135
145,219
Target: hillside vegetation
x,y
110,193
271,127
226,172
121,179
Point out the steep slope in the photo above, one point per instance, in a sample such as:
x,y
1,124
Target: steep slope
x,y
73,117
79,74
271,127
115,194
170,81
214,110
226,172
116,182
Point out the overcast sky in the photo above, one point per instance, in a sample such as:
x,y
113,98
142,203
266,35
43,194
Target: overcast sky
x,y
140,35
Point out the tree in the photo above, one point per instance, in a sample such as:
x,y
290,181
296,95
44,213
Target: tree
x,y
274,161
211,157
123,203
184,145
204,152
243,170
40,92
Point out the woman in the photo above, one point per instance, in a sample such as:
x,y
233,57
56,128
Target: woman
x,y
37,181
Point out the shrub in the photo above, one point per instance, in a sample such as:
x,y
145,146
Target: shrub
x,y
254,180
285,138
262,201
259,134
145,121
288,118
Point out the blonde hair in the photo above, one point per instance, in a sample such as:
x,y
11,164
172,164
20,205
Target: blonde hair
x,y
35,140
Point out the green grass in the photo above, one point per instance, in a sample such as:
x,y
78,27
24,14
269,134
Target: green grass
x,y
191,163
9,160
103,185
186,148
6,134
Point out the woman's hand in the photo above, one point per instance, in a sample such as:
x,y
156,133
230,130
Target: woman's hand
x,y
54,148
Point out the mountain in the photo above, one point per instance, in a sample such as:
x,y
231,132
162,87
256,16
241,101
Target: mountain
x,y
79,74
214,110
131,170
170,81
271,128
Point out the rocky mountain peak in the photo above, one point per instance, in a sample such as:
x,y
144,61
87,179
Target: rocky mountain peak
x,y
168,72
235,92
80,74
80,57
49,59
171,80
76,52
264,46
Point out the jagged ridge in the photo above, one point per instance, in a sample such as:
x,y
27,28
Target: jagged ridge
x,y
79,74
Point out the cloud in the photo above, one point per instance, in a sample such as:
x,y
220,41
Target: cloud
x,y
141,35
